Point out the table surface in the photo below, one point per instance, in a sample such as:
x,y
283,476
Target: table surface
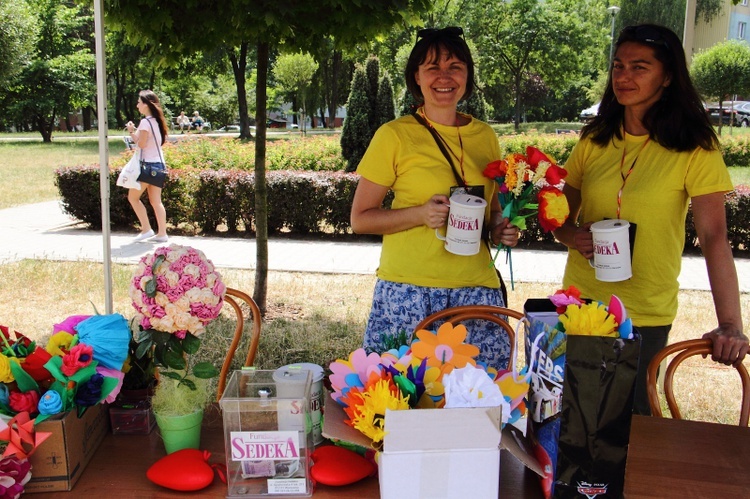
x,y
667,458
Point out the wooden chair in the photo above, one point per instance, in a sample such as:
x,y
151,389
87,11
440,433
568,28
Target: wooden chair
x,y
685,349
491,313
234,298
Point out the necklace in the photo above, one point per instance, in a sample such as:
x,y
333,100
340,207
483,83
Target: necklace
x,y
625,176
445,143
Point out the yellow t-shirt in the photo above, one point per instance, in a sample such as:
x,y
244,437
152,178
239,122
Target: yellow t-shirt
x,y
403,155
655,197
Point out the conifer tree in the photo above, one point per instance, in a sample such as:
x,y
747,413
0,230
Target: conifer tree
x,y
355,135
384,110
372,68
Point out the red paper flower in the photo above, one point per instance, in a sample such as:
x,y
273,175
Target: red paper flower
x,y
24,401
79,357
553,208
34,364
497,168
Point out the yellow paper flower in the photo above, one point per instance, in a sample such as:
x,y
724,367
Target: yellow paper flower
x,y
366,408
446,348
590,319
59,343
6,375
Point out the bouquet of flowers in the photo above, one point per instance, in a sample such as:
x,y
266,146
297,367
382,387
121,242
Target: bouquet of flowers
x,y
437,370
529,185
176,292
80,367
591,318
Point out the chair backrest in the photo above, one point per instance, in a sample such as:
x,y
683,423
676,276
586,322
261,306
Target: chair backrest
x,y
233,297
685,349
455,315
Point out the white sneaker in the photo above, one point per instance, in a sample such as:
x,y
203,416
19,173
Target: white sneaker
x,y
158,239
143,236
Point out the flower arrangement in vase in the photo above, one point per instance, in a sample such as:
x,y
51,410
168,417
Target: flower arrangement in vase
x,y
176,293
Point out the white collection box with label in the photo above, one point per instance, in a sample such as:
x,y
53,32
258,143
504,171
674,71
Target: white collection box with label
x,y
267,434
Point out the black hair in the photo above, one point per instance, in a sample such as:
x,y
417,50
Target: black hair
x,y
430,43
678,120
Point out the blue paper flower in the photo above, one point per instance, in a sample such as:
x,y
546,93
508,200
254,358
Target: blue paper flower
x,y
109,335
50,403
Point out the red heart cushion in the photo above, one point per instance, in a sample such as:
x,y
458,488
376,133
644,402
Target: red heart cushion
x,y
333,465
184,470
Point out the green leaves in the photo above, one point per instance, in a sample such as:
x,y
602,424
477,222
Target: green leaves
x,y
172,354
151,285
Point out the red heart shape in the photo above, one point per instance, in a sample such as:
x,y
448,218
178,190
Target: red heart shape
x,y
183,470
333,465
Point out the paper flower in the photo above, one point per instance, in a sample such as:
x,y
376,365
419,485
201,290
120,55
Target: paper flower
x,y
564,297
353,372
590,319
529,185
59,343
176,290
21,437
109,336
50,403
366,408
24,401
446,348
470,386
80,356
14,474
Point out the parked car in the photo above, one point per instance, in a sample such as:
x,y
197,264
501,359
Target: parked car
x,y
740,110
229,128
589,112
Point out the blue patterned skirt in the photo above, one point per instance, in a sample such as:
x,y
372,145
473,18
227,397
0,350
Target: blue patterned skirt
x,y
397,308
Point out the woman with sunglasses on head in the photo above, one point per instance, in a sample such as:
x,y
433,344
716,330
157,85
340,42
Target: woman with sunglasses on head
x,y
420,158
648,153
149,137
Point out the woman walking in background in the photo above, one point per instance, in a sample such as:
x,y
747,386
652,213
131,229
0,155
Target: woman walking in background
x,y
149,137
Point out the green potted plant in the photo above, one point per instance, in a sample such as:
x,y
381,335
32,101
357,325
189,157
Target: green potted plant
x,y
177,292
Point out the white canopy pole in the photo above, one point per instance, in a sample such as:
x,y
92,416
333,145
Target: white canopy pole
x,y
101,104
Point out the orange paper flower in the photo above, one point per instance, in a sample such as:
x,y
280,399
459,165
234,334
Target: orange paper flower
x,y
446,348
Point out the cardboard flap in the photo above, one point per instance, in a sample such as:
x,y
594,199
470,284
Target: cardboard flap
x,y
442,429
520,447
334,427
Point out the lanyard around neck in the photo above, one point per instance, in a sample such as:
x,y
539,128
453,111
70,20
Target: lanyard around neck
x,y
625,176
445,148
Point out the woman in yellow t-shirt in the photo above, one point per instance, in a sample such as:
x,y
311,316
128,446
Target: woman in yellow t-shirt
x,y
649,152
417,276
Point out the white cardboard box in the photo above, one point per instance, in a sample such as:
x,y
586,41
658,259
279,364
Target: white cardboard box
x,y
441,453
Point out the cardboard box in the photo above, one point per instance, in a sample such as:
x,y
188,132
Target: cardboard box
x,y
436,452
59,462
441,453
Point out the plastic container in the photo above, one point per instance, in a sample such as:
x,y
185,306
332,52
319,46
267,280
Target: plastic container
x,y
266,436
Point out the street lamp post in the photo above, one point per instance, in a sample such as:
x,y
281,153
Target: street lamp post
x,y
613,11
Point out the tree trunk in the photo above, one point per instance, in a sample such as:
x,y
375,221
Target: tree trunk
x,y
87,118
333,101
239,66
261,191
44,128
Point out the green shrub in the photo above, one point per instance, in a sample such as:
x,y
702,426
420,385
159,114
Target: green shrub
x,y
736,150
311,195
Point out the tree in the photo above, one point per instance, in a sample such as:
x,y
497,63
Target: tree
x,y
17,31
722,71
57,79
356,135
174,28
526,36
384,109
372,70
294,72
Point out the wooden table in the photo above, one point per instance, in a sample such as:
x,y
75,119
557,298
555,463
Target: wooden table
x,y
683,459
667,458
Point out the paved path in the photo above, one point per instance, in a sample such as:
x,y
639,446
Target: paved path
x,y
42,231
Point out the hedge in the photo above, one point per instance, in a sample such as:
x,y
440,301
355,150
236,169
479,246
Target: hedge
x,y
310,194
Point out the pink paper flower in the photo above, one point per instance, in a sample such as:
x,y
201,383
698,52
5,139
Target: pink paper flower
x,y
14,474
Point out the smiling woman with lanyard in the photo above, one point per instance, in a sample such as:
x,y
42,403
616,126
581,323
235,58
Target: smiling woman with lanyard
x,y
421,158
648,153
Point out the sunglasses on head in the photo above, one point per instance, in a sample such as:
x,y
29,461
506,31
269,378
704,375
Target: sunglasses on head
x,y
644,34
453,31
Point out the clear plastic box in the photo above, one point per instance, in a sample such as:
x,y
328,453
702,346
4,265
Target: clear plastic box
x,y
267,433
